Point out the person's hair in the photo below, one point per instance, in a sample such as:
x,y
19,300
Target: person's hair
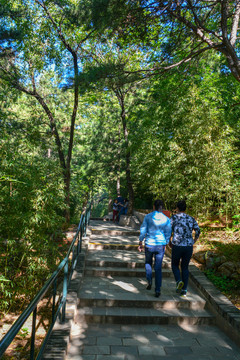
x,y
158,204
181,205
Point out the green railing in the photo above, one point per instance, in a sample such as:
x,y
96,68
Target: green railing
x,y
66,267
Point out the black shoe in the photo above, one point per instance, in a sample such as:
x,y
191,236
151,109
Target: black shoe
x,y
157,294
149,286
183,293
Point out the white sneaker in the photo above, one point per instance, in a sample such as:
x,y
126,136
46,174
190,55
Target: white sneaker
x,y
183,293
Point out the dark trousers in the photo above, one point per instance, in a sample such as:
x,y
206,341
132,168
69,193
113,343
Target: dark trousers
x,y
157,252
115,213
181,255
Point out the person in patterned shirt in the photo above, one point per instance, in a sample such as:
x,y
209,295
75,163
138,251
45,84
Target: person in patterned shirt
x,y
182,245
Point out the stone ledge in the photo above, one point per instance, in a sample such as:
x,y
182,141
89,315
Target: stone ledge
x,y
223,307
132,221
228,315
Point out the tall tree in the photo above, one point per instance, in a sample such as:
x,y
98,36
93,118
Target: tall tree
x,y
101,142
178,31
114,67
188,147
53,40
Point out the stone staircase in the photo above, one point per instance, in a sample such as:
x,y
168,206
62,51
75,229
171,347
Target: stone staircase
x,y
114,286
111,315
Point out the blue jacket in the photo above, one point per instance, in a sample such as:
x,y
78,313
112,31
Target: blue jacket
x,y
156,229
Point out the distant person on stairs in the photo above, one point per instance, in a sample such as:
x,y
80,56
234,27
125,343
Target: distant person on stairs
x,y
120,202
182,245
124,208
156,230
115,210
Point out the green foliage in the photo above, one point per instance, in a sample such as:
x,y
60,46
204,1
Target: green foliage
x,y
100,208
182,147
222,282
23,333
236,219
181,134
31,204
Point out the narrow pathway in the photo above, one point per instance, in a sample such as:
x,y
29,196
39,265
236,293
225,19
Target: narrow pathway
x,y
117,318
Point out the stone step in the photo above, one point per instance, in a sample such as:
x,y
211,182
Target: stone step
x,y
116,315
107,232
126,241
115,232
131,291
114,263
118,271
119,264
120,258
126,238
154,303
102,246
151,342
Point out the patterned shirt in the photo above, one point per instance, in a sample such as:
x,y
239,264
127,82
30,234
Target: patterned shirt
x,y
182,227
115,206
156,229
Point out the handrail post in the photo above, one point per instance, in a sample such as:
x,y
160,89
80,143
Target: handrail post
x,y
85,227
54,299
65,281
73,260
79,243
33,334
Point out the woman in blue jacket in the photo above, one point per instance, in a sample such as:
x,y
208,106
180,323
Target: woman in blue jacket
x,y
156,230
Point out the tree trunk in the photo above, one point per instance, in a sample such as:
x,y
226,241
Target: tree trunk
x,y
119,162
70,145
67,180
65,161
110,204
129,184
120,96
65,166
118,186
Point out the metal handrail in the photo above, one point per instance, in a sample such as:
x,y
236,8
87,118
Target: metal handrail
x,y
60,311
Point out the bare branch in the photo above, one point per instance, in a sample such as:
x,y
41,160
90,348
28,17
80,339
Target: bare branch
x,y
84,39
198,32
56,27
32,77
163,69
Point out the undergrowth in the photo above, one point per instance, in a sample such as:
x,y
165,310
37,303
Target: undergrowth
x,y
24,269
224,284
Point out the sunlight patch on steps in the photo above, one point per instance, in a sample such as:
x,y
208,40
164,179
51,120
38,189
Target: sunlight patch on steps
x,y
126,286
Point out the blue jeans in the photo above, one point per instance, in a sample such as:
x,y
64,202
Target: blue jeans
x,y
183,254
157,252
123,211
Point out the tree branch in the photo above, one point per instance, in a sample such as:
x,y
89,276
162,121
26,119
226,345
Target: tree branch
x,y
17,85
224,17
163,69
74,112
56,27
